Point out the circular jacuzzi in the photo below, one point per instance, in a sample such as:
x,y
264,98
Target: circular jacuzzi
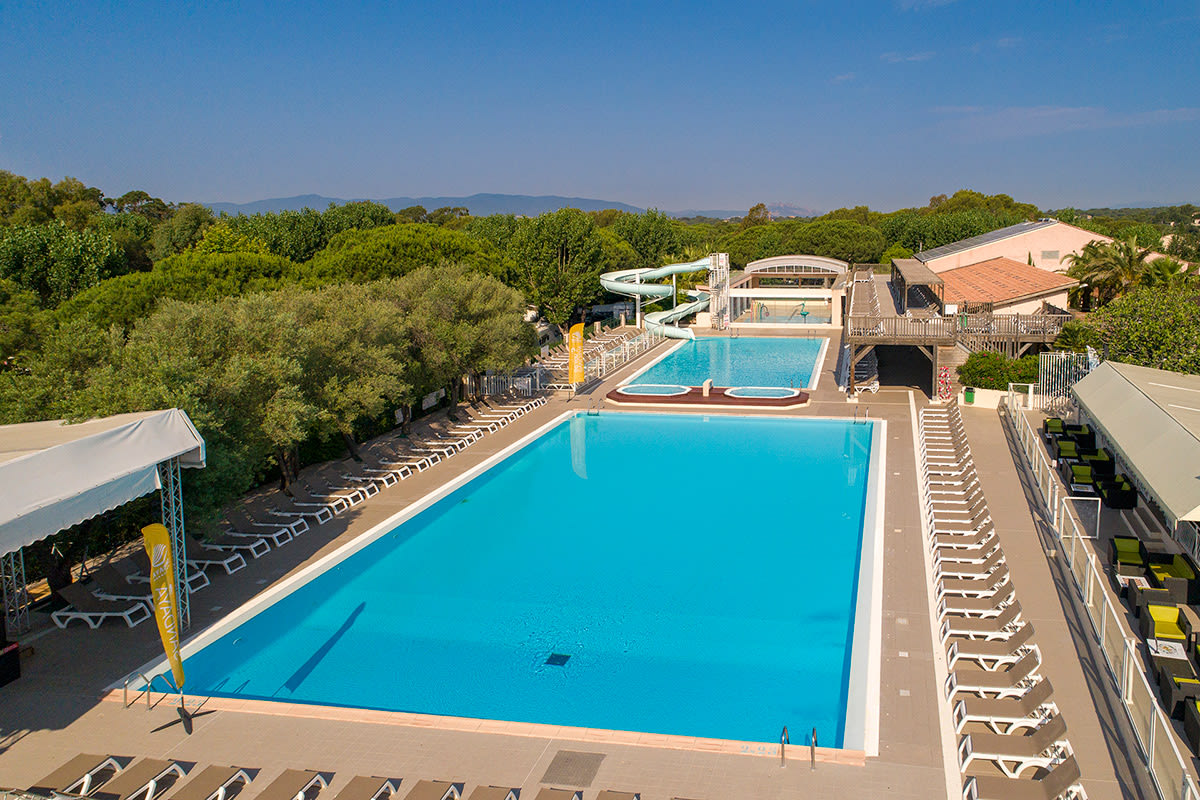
x,y
762,391
653,389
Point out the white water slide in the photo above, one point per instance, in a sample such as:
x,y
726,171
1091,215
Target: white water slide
x,y
632,283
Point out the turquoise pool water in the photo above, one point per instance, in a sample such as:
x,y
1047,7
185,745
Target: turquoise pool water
x,y
743,361
761,391
654,389
684,602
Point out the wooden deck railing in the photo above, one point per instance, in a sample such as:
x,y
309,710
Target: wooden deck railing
x,y
971,329
907,329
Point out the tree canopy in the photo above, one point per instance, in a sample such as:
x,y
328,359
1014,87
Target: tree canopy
x,y
396,250
558,259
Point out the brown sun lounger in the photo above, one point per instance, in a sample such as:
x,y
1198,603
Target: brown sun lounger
x,y
1048,786
293,784
1004,714
435,790
143,779
213,783
991,606
1015,752
965,569
973,587
78,776
369,787
1003,626
988,653
91,609
559,794
1008,682
494,793
112,585
608,795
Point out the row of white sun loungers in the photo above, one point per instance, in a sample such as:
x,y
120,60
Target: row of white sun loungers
x,y
116,778
269,521
1012,741
557,358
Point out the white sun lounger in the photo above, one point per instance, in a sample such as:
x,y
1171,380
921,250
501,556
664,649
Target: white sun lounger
x,y
202,557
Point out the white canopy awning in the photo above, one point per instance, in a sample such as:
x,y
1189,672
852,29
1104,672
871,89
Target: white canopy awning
x,y
54,475
1151,417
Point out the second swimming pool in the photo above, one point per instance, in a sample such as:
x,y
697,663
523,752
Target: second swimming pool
x,y
741,361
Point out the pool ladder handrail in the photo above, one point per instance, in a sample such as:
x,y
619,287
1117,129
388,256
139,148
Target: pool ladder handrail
x,y
594,407
146,691
783,742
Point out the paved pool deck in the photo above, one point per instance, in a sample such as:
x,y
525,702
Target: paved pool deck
x,y
58,708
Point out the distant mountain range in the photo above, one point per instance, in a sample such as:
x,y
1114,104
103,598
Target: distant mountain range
x,y
482,205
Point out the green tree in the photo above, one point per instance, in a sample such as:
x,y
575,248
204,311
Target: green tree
x,y
1152,327
841,239
1168,273
412,214
652,235
22,322
1111,268
757,215
558,259
182,230
56,262
462,322
395,250
895,251
220,237
449,216
132,232
1076,336
141,203
188,276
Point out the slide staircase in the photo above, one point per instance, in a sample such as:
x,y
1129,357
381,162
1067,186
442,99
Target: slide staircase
x,y
632,283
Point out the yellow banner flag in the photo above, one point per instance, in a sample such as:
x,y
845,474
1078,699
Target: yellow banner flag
x,y
162,589
575,353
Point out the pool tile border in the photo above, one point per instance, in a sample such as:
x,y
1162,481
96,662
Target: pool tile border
x,y
869,692
535,730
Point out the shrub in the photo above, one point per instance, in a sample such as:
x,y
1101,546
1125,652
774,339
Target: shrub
x,y
988,370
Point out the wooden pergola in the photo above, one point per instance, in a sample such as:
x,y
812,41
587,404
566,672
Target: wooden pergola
x,y
908,273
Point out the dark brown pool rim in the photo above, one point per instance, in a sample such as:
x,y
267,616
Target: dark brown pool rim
x,y
716,399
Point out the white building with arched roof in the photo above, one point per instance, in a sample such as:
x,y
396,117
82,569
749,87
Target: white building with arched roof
x,y
789,292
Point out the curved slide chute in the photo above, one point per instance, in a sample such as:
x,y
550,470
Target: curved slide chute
x,y
631,283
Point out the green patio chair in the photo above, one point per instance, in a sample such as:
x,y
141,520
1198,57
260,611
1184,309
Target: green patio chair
x,y
1163,622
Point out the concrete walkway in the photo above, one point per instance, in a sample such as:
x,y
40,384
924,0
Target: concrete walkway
x,y
1096,726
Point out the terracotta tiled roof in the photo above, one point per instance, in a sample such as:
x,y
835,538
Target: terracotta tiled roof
x,y
1000,280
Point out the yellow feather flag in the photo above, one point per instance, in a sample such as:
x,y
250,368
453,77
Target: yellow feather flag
x,y
162,589
575,353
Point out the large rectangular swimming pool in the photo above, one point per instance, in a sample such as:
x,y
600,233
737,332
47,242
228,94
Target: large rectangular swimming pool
x,y
662,573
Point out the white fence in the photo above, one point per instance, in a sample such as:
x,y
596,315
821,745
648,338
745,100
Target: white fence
x,y
1155,737
600,362
486,385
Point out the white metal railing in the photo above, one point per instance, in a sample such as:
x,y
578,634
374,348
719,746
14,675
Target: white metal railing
x,y
1155,736
602,361
523,385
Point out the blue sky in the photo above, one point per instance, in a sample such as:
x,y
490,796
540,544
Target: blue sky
x,y
675,105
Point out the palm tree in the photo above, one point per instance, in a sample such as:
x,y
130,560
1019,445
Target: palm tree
x,y
1168,273
1112,268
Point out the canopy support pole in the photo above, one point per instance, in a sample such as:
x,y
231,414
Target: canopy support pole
x,y
172,519
16,598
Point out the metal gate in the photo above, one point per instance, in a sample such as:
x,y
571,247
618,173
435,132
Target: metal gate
x,y
1058,371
